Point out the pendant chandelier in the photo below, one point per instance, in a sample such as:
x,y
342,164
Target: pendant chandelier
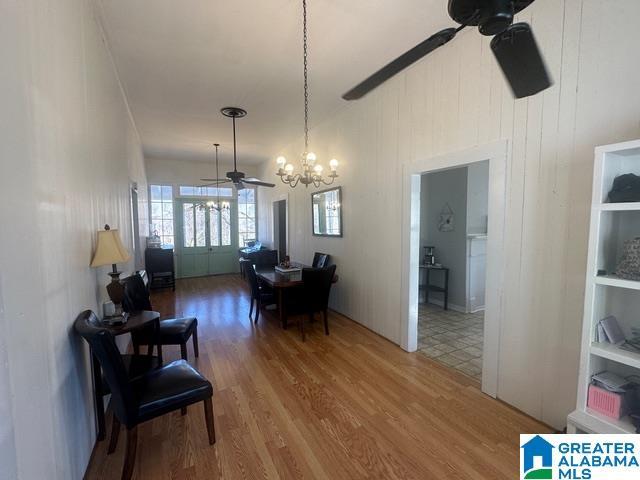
x,y
210,204
311,171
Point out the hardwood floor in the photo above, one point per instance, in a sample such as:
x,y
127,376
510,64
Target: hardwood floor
x,y
346,406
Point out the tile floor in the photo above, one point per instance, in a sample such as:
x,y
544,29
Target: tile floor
x,y
452,338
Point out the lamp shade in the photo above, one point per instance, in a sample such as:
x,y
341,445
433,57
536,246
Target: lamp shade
x,y
110,249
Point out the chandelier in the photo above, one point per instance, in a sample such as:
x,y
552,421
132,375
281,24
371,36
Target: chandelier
x,y
311,171
210,204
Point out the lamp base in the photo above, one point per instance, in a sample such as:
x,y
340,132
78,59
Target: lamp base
x,y
115,289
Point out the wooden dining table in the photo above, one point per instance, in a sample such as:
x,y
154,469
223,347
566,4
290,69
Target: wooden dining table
x,y
281,283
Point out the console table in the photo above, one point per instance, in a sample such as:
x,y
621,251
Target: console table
x,y
160,267
429,287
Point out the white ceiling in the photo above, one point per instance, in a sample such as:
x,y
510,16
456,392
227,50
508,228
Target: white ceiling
x,y
181,61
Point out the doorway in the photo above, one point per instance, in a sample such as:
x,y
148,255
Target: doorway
x,y
206,238
453,235
280,228
496,155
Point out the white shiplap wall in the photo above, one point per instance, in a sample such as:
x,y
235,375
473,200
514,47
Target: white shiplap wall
x,y
68,152
452,100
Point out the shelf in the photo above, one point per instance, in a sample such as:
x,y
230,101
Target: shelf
x,y
619,207
612,352
615,281
593,422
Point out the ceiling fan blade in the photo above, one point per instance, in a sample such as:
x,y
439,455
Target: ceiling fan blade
x,y
520,60
214,180
256,181
402,62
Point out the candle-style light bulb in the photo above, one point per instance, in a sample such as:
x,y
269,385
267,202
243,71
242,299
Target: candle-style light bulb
x,y
311,158
333,164
289,169
281,161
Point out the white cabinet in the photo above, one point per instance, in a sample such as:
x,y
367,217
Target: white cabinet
x,y
476,272
606,294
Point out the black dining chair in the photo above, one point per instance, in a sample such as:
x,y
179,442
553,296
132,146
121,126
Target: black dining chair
x,y
314,296
173,331
320,260
259,294
150,395
265,258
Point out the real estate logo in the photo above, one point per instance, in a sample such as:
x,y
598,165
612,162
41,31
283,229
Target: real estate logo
x,y
537,449
579,457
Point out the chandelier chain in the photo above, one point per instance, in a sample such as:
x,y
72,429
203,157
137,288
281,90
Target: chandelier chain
x,y
217,176
306,79
311,171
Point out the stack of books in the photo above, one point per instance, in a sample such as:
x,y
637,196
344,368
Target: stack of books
x,y
609,331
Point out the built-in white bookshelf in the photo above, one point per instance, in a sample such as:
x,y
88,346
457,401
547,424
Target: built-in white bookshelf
x,y
605,293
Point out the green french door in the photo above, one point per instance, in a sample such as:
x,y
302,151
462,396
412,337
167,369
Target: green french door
x,y
206,238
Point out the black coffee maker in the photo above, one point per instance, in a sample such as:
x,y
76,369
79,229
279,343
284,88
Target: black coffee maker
x,y
429,255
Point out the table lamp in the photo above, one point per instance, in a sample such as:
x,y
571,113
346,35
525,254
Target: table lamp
x,y
111,251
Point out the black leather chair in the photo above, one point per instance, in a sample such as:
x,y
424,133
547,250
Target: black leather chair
x,y
314,296
155,393
265,258
320,260
259,295
173,331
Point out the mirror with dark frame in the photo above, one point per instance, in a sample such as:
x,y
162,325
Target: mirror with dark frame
x,y
326,212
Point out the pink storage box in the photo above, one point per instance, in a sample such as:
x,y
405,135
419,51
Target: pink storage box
x,y
605,402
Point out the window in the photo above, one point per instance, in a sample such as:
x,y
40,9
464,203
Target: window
x,y
191,191
246,216
161,197
332,209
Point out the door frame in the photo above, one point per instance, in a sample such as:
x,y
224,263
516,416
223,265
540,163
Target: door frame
x,y
496,153
135,225
178,229
285,197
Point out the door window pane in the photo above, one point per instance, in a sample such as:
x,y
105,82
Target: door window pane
x,y
201,232
214,228
225,227
188,225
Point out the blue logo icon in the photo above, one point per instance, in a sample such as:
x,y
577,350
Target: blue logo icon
x,y
538,447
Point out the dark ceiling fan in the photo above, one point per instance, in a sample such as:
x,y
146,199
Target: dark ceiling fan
x,y
236,177
513,45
